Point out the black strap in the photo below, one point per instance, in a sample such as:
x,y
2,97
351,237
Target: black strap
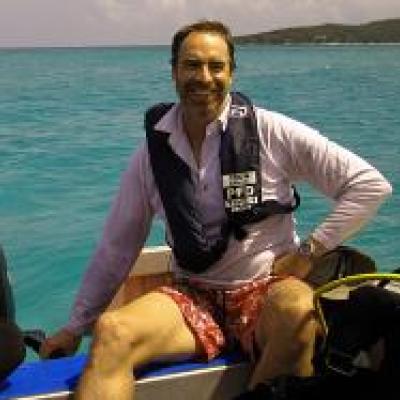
x,y
192,247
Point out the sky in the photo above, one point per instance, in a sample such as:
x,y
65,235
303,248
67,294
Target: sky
x,y
25,23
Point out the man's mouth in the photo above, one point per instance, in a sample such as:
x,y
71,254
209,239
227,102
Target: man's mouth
x,y
201,92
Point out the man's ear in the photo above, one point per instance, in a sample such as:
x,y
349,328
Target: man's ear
x,y
173,73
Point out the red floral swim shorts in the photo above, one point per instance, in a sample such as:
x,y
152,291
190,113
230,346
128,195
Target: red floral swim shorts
x,y
219,318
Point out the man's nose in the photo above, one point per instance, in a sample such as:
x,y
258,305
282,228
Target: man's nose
x,y
205,73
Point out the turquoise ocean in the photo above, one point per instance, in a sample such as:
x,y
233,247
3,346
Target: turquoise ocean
x,y
70,118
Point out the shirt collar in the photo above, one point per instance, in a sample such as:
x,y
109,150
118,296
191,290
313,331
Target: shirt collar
x,y
223,117
171,122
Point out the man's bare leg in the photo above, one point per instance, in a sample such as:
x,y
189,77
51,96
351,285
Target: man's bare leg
x,y
285,332
150,328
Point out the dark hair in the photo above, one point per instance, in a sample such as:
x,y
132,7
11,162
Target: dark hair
x,y
203,26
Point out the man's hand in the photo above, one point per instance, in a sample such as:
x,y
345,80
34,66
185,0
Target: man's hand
x,y
63,342
294,264
300,263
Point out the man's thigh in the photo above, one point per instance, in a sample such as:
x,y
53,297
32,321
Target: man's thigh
x,y
155,328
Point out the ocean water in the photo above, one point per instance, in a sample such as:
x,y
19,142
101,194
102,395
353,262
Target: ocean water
x,y
70,118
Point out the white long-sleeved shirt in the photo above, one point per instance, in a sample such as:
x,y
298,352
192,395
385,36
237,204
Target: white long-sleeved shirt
x,y
290,152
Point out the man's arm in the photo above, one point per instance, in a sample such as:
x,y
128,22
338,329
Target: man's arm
x,y
124,234
356,187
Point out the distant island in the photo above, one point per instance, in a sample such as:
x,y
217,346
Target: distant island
x,y
386,31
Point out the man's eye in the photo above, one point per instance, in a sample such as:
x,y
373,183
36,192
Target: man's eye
x,y
192,64
213,66
216,66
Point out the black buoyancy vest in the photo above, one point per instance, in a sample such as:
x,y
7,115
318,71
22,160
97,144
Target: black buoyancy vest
x,y
241,176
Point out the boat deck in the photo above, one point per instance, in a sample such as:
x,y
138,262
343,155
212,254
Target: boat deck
x,y
220,379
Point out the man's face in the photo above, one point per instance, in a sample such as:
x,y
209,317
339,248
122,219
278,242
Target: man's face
x,y
203,74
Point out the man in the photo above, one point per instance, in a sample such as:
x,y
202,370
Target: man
x,y
232,232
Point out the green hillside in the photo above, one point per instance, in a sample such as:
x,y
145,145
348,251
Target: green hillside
x,y
387,31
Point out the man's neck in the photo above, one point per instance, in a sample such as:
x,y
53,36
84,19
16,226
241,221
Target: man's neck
x,y
195,128
195,123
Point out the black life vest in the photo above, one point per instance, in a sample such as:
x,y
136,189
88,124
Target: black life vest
x,y
241,175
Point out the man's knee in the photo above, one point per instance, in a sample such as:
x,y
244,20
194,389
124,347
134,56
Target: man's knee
x,y
288,293
298,322
112,335
132,337
289,311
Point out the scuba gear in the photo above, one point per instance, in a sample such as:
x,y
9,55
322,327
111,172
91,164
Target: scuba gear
x,y
359,322
13,341
12,349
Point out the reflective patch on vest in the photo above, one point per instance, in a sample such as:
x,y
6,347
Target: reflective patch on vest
x,y
240,190
237,111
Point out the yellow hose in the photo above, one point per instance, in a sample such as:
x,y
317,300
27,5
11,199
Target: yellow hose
x,y
348,280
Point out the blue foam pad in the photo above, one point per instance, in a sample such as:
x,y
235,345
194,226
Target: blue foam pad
x,y
52,376
48,376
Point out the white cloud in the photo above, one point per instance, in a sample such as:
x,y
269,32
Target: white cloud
x,y
157,17
85,22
